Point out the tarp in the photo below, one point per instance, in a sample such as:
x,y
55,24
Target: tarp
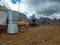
x,y
3,16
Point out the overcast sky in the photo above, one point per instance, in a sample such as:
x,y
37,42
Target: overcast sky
x,y
45,8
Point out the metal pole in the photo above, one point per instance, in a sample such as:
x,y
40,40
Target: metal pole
x,y
19,6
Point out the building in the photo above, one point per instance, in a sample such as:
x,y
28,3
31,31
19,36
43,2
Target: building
x,y
3,8
13,17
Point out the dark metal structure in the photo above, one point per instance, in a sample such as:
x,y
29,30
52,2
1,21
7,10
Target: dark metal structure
x,y
33,21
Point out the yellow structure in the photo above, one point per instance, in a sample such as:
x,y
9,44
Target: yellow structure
x,y
23,23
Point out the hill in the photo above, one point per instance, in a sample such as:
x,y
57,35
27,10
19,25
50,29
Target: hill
x,y
56,23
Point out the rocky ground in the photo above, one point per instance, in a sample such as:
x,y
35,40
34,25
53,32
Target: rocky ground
x,y
42,35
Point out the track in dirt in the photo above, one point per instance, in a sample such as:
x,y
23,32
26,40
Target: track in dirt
x,y
42,35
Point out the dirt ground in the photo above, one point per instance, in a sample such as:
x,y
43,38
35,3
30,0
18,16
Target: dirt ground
x,y
42,35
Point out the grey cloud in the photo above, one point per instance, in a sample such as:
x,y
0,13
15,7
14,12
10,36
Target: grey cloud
x,y
34,2
58,1
44,7
49,10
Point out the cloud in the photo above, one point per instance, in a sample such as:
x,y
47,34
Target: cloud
x,y
48,8
44,7
57,1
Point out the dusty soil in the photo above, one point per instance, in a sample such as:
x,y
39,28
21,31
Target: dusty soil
x,y
42,35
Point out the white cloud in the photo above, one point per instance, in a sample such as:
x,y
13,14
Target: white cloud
x,y
2,2
39,7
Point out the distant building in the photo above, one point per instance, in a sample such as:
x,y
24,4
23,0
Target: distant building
x,y
44,21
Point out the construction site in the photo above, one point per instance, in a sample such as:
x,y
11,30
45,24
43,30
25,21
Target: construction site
x,y
17,29
45,34
42,35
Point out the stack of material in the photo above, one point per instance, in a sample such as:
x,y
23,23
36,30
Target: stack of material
x,y
44,22
3,15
